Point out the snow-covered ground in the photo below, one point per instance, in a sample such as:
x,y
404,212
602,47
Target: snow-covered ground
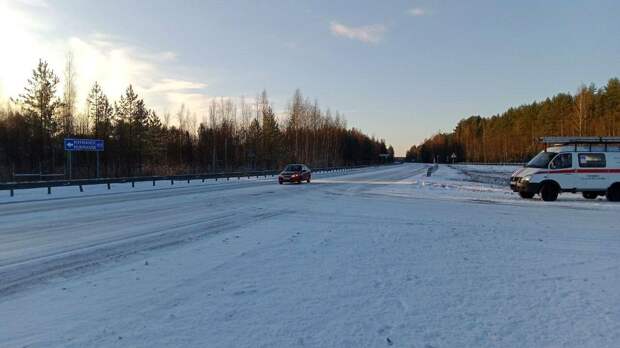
x,y
373,258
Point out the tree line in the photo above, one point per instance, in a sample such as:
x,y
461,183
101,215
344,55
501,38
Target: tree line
x,y
512,135
233,135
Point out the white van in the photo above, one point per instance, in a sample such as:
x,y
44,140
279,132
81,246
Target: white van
x,y
590,165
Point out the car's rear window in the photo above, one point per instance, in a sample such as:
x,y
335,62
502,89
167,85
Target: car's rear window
x,y
293,168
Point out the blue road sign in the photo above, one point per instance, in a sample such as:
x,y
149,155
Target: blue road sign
x,y
84,145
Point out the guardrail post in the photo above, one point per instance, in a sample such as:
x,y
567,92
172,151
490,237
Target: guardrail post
x,y
81,188
49,190
12,193
153,182
171,181
109,186
133,184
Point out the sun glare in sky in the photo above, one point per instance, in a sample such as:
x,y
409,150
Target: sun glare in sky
x,y
16,30
97,57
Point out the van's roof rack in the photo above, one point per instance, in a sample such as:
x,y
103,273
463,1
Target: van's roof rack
x,y
579,140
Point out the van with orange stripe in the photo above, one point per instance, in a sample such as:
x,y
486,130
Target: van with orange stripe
x,y
589,165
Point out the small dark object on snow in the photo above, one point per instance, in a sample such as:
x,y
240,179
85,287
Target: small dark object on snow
x,y
146,263
389,341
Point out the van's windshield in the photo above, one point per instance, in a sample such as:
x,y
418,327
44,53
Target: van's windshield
x,y
541,160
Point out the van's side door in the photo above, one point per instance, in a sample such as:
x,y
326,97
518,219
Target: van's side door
x,y
561,169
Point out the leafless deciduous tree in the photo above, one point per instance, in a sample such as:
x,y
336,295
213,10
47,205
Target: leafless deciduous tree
x,y
246,134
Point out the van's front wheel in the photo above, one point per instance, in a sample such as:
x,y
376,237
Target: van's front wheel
x,y
549,192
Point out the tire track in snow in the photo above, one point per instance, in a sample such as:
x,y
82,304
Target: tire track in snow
x,y
18,275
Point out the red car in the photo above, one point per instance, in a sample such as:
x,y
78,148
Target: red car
x,y
295,173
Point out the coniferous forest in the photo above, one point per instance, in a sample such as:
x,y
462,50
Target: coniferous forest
x,y
512,136
232,135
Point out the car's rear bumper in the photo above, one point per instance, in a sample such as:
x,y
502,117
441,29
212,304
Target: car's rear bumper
x,y
296,179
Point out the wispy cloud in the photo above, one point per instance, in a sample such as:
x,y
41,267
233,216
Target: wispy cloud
x,y
164,85
115,65
34,3
368,34
417,12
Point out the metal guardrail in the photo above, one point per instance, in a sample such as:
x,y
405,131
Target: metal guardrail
x,y
18,176
12,186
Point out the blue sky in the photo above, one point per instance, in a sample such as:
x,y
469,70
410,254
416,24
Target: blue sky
x,y
400,70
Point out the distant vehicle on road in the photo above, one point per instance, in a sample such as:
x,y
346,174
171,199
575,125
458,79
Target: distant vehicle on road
x,y
295,173
590,165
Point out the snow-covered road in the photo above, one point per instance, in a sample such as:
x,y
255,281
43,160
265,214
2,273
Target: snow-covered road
x,y
373,258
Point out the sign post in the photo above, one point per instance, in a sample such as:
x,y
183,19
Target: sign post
x,y
453,157
73,145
